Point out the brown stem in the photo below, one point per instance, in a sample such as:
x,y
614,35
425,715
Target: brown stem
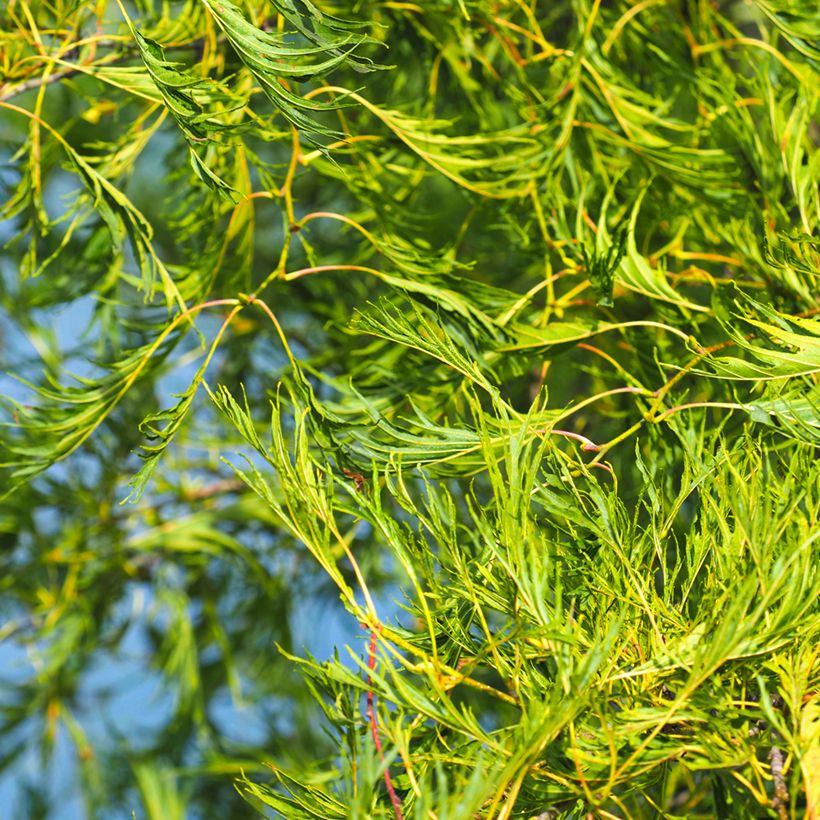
x,y
36,82
374,726
781,793
129,50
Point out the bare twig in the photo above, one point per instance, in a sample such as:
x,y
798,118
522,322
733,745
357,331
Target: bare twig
x,y
374,726
781,793
129,50
7,92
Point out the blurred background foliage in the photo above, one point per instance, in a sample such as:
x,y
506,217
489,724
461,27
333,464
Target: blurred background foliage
x,y
531,289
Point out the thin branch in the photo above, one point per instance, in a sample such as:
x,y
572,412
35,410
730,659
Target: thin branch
x,y
130,50
374,727
8,92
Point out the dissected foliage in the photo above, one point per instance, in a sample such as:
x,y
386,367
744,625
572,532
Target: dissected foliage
x,y
486,329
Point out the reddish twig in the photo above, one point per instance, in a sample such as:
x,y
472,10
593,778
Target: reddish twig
x,y
587,445
374,727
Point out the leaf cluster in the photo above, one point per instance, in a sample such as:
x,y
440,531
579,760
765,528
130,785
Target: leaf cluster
x,y
488,330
